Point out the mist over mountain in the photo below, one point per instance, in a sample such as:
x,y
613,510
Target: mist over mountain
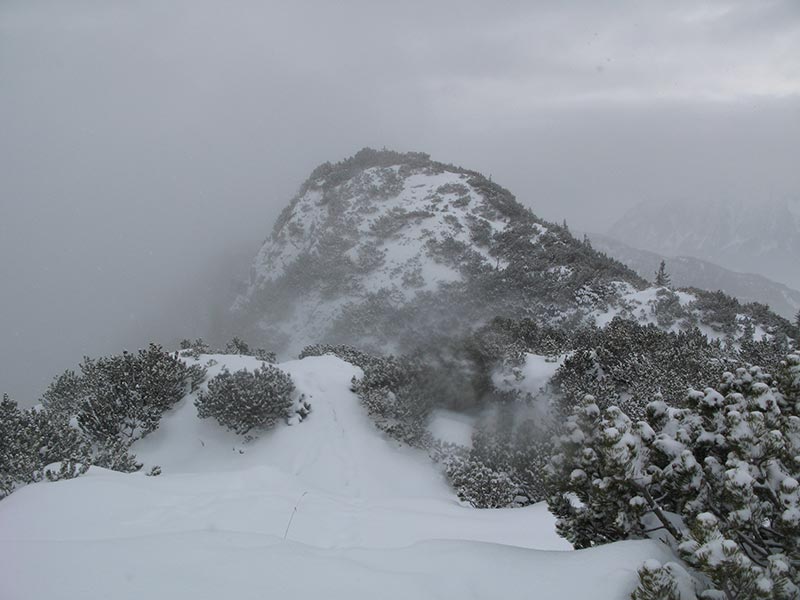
x,y
749,237
687,271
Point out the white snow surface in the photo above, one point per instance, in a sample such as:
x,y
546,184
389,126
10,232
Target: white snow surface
x,y
532,379
369,519
452,427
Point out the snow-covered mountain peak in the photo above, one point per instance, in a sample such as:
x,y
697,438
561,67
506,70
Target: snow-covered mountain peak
x,y
370,238
377,219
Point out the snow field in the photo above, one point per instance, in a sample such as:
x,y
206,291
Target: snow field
x,y
369,519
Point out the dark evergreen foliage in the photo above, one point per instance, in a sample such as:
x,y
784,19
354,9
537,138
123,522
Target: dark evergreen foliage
x,y
94,416
237,346
247,400
627,363
662,277
30,440
195,348
719,475
124,396
64,395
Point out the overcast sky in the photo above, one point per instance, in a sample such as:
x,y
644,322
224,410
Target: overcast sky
x,y
143,140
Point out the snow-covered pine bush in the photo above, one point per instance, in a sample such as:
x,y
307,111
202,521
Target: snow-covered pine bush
x,y
476,482
626,363
237,346
115,454
30,440
63,396
347,353
116,400
719,474
16,461
393,390
53,440
394,220
264,356
246,400
124,396
398,397
194,348
597,476
663,582
668,308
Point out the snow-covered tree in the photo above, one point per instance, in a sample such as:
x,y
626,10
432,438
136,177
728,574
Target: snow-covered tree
x,y
719,475
16,462
627,363
663,278
477,482
63,397
246,400
599,478
195,348
237,346
31,440
125,395
663,582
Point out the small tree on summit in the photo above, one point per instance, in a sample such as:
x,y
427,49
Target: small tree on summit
x,y
662,277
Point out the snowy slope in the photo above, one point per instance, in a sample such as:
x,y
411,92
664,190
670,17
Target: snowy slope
x,y
372,520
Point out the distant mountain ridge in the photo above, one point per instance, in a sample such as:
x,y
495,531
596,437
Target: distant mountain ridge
x,y
687,271
762,238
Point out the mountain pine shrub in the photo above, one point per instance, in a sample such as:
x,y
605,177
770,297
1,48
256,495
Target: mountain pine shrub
x,y
626,363
64,395
194,348
663,582
476,482
116,400
246,400
124,396
718,475
237,346
31,440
